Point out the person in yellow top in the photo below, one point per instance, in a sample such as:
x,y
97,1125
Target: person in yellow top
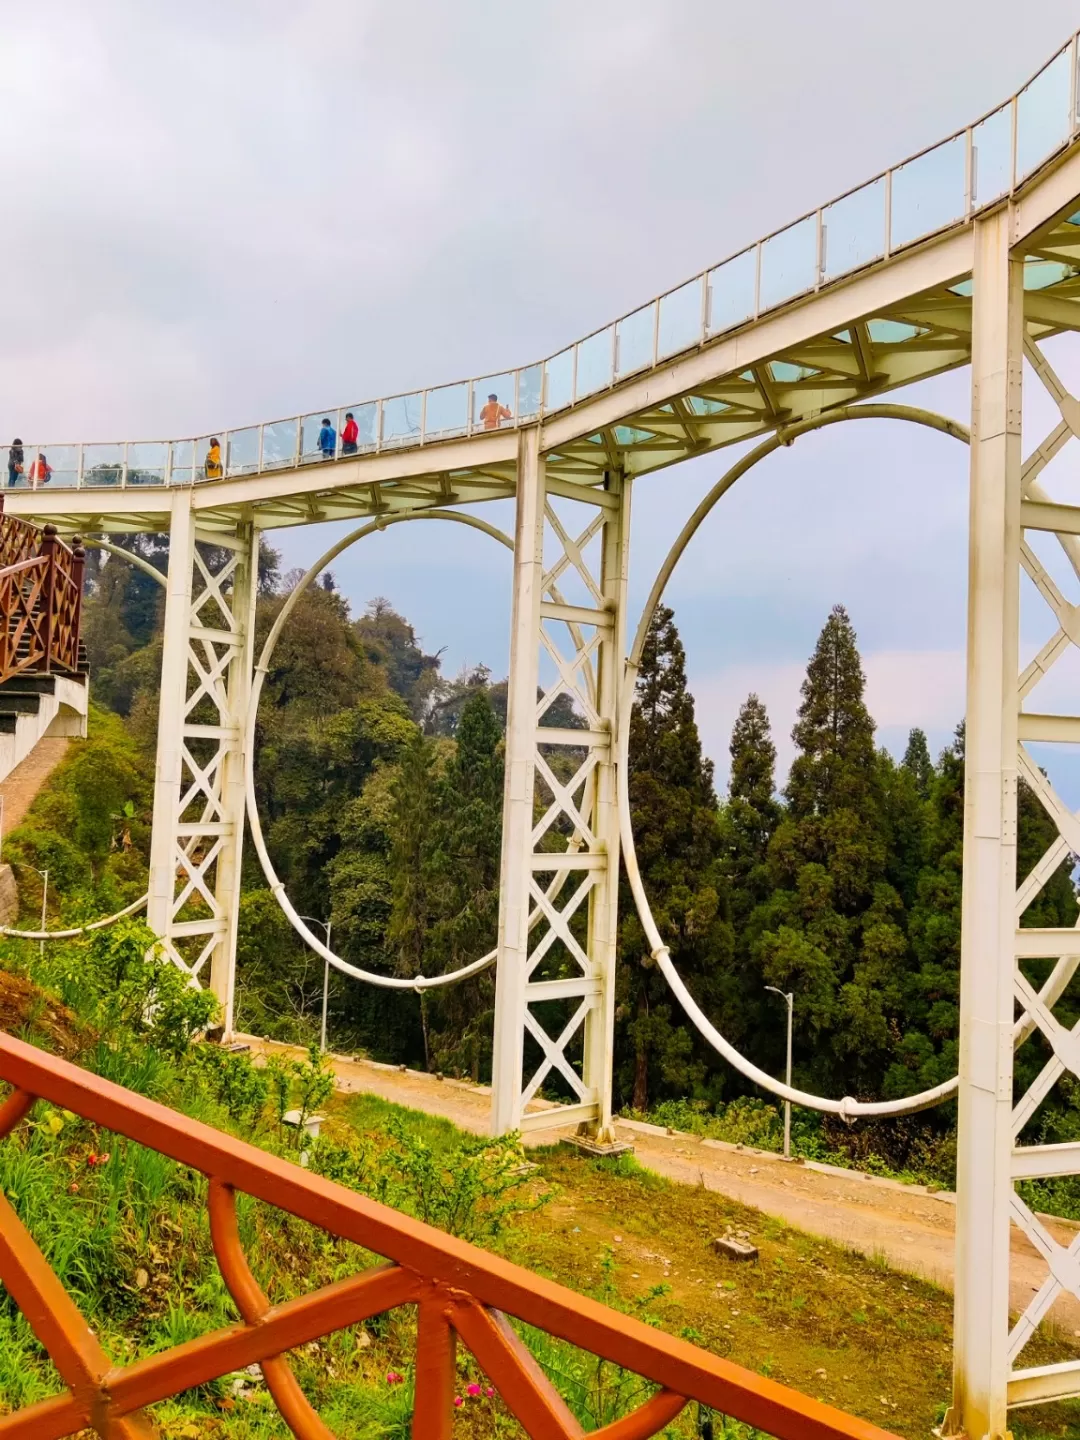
x,y
493,414
213,460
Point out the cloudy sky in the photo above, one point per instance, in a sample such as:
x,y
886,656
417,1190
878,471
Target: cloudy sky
x,y
216,214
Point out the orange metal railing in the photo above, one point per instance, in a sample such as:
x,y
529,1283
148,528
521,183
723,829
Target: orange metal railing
x,y
461,1294
41,582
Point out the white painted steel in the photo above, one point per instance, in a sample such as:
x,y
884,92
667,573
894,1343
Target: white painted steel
x,y
983,1180
198,784
76,931
534,1043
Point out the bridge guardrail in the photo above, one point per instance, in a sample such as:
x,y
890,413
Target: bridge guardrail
x,y
461,1293
941,186
41,583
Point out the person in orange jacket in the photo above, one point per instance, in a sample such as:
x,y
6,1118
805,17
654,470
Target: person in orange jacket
x,y
493,414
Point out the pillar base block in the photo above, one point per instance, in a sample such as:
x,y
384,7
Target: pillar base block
x,y
598,1149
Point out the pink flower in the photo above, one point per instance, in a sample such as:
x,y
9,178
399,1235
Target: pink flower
x,y
490,1392
473,1390
393,1378
458,1402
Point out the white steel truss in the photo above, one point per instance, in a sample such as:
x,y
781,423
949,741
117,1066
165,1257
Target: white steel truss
x,y
199,777
560,859
1012,975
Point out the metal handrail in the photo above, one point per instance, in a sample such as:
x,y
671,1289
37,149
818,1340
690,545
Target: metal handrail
x,y
459,1290
1053,122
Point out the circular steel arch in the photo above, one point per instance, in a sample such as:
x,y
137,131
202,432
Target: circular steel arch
x,y
848,1107
277,886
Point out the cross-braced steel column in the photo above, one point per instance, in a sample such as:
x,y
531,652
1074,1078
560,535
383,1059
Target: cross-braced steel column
x,y
199,778
554,1009
1013,973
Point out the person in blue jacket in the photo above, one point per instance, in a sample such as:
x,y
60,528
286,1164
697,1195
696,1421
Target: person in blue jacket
x,y
327,440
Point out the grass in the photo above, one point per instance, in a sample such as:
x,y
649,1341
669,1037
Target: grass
x,y
128,1236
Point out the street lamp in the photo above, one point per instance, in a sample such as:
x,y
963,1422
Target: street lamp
x,y
310,920
44,894
790,999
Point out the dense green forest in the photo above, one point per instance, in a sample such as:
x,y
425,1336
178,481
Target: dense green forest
x,y
380,783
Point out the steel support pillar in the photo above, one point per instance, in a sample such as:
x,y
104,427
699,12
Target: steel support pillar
x,y
198,820
1013,974
983,1184
558,910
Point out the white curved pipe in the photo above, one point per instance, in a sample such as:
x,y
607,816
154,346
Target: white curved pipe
x,y
8,933
848,1108
387,982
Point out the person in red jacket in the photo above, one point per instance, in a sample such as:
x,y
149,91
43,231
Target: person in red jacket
x,y
350,433
40,471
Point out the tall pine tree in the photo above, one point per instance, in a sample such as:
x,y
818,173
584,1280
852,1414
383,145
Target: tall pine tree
x,y
836,935
676,828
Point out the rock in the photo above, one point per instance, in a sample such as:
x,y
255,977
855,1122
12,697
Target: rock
x,y
734,1249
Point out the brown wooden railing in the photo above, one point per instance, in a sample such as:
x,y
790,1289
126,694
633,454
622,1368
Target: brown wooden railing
x,y
461,1293
41,582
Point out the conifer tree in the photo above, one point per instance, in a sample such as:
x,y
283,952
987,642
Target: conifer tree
x,y
464,865
676,828
917,763
413,884
836,935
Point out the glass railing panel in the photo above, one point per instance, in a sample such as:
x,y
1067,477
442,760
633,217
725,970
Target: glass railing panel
x,y
102,464
853,230
559,380
634,340
181,462
147,462
991,157
1043,122
366,415
494,402
682,316
595,363
928,192
241,451
62,462
279,444
789,263
401,419
447,412
530,391
731,292
311,427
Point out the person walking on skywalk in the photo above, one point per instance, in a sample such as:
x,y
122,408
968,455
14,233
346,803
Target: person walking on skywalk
x,y
327,440
493,414
15,462
213,460
350,434
40,472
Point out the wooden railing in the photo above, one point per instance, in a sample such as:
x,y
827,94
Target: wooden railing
x,y
461,1293
41,582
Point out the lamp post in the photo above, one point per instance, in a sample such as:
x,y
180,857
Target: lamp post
x,y
310,920
790,1000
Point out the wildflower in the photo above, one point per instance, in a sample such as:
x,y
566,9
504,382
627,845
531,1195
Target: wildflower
x,y
73,1188
490,1392
473,1390
458,1402
393,1378
92,1159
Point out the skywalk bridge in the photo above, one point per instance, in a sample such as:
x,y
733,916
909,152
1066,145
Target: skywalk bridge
x,y
966,254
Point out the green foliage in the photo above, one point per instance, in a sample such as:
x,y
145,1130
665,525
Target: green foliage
x,y
679,846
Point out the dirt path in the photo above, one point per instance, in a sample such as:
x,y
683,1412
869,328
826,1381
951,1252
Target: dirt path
x,y
20,788
907,1225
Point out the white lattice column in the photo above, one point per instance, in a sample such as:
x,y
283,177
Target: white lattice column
x,y
559,883
988,916
199,790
